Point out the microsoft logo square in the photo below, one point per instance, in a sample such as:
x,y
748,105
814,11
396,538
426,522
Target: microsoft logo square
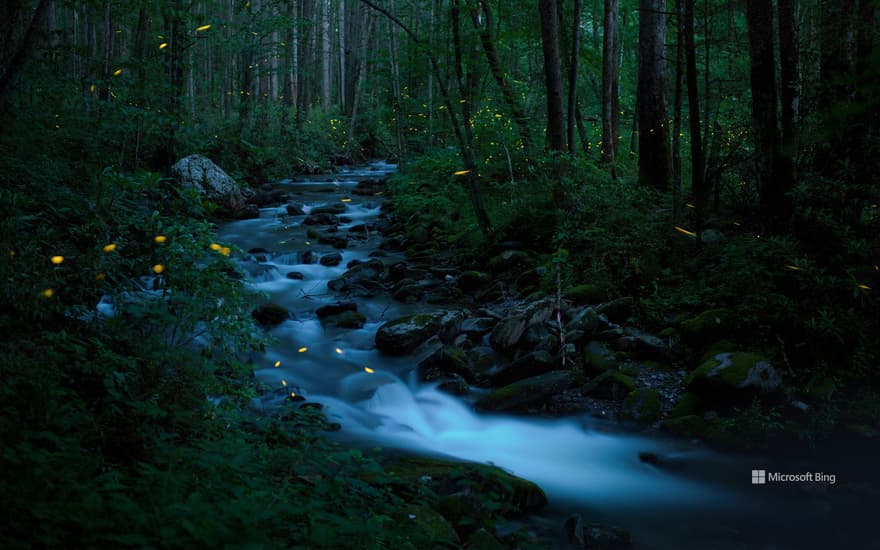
x,y
759,477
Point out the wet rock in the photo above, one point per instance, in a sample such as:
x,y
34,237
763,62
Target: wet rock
x,y
611,384
270,315
403,335
584,319
362,279
246,212
294,209
339,242
359,228
296,276
523,394
335,309
321,219
332,208
617,311
642,345
332,259
476,327
370,187
729,377
509,330
440,361
409,293
442,295
538,337
454,384
347,319
533,364
306,257
641,405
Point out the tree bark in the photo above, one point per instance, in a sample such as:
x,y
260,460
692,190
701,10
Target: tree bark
x,y
759,17
655,168
573,74
610,85
21,53
698,163
552,73
676,113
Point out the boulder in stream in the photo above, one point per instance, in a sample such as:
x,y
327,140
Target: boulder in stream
x,y
332,259
361,280
527,393
403,335
270,315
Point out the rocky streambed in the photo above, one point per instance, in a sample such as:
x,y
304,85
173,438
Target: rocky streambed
x,y
405,349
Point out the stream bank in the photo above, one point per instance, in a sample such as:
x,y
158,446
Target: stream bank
x,y
401,348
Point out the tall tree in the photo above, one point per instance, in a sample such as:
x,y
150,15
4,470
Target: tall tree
x,y
573,74
610,85
655,169
759,17
552,73
698,164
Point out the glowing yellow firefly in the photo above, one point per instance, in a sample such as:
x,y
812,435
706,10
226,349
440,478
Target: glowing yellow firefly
x,y
100,277
684,231
368,370
203,28
277,364
284,382
110,247
56,260
225,250
160,238
48,293
689,205
303,349
461,172
346,199
339,351
92,88
793,267
864,287
163,45
215,247
117,72
293,394
158,268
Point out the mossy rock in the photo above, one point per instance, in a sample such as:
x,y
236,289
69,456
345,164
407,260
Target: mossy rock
x,y
533,364
598,358
403,335
688,404
348,319
586,294
469,281
433,528
511,262
641,405
617,311
523,394
611,384
444,360
709,326
721,346
450,477
732,374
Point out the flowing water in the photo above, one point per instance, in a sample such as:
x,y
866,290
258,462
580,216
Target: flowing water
x,y
693,497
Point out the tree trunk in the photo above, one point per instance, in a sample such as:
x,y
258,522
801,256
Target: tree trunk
x,y
655,168
676,113
21,53
573,74
610,108
325,55
488,41
698,168
552,73
759,16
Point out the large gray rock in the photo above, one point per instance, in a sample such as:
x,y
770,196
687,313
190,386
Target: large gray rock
x,y
211,182
509,330
403,335
361,280
733,377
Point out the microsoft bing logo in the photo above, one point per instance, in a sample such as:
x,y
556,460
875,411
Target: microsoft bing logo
x,y
759,477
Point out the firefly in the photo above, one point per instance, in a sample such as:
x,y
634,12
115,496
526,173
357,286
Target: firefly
x,y
57,260
339,351
793,267
203,28
303,349
864,287
215,247
346,199
117,72
368,370
48,293
100,277
225,250
163,45
277,364
689,205
684,231
158,268
461,172
284,382
110,247
160,238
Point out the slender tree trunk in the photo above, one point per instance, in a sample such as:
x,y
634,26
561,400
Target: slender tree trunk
x,y
552,74
325,55
698,169
107,42
573,74
788,61
485,28
676,113
655,168
610,109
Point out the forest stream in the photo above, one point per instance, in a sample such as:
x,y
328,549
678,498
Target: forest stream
x,y
687,495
